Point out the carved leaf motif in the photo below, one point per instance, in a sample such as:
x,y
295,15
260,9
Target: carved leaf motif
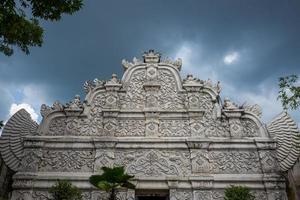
x,y
250,129
131,128
154,163
67,160
174,128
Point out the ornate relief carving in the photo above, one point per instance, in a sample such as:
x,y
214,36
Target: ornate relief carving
x,y
21,195
57,126
209,127
235,126
46,110
261,195
269,161
40,195
132,127
31,160
200,100
174,128
67,160
177,194
100,195
169,97
104,158
250,129
154,162
234,162
255,109
200,161
202,195
217,195
86,195
134,99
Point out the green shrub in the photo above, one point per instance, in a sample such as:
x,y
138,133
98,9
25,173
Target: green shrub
x,y
64,190
238,193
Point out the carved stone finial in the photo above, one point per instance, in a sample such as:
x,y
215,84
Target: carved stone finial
x,y
113,80
46,110
191,80
75,104
228,105
255,109
151,56
219,88
126,64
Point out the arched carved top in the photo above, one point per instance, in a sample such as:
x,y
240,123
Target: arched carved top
x,y
151,100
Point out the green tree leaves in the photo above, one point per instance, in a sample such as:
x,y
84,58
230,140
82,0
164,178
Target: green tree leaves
x,y
111,179
289,92
238,193
19,21
63,189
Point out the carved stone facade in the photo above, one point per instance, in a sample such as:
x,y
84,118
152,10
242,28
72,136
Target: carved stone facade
x,y
172,135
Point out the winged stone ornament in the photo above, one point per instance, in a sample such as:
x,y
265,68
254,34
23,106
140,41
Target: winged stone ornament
x,y
11,140
285,131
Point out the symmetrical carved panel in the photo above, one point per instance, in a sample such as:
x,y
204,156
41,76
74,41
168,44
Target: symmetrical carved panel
x,y
67,160
225,161
250,128
131,127
31,160
154,162
134,99
174,128
180,194
269,161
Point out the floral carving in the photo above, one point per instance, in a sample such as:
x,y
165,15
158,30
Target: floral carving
x,y
200,161
235,162
269,161
131,128
67,160
135,94
174,128
40,195
154,162
250,129
180,194
31,160
57,126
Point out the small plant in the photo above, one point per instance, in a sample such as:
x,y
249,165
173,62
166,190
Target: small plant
x,y
111,179
64,190
238,193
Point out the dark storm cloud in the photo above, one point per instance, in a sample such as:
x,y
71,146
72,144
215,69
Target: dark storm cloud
x,y
93,42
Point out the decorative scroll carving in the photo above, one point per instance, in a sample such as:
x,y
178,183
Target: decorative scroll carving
x,y
46,110
67,160
177,194
202,195
284,129
255,109
86,195
174,128
209,127
131,128
269,161
169,98
99,195
21,195
31,160
200,161
154,162
217,195
74,105
11,140
200,100
261,195
135,95
235,162
76,126
104,158
235,126
40,195
250,128
57,126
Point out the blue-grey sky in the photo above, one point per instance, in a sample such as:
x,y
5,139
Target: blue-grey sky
x,y
246,45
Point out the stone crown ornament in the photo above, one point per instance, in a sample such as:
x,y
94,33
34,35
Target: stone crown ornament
x,y
175,135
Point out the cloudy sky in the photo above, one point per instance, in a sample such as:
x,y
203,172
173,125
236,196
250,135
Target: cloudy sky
x,y
246,45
